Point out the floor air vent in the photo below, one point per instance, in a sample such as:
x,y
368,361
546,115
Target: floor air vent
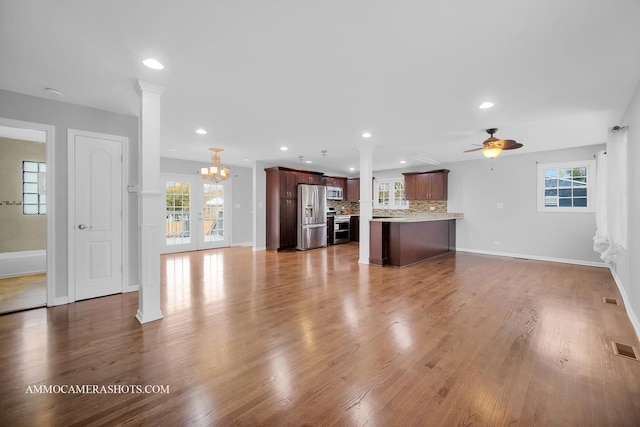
x,y
625,350
610,301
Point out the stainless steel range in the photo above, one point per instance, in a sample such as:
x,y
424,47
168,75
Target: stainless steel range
x,y
341,228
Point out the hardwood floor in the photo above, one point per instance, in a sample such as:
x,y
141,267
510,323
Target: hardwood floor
x,y
312,338
23,292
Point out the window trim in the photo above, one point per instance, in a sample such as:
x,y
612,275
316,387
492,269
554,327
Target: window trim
x,y
591,186
392,181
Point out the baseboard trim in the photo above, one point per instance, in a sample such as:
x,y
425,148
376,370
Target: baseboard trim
x,y
536,257
22,263
243,244
627,306
60,301
261,248
131,288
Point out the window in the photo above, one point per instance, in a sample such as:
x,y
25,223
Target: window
x,y
34,199
389,194
567,187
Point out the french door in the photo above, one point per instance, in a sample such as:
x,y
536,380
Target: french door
x,y
196,214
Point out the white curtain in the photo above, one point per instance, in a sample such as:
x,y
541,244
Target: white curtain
x,y
611,202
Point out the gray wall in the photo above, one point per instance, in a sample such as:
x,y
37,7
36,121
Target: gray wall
x,y
475,189
241,195
67,116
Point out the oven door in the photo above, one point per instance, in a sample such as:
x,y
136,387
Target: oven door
x,y
341,231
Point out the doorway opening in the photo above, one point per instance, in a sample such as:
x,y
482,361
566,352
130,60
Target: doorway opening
x,y
26,213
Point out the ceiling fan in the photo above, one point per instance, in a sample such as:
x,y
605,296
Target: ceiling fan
x,y
492,146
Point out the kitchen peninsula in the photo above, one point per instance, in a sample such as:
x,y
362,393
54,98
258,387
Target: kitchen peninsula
x,y
401,241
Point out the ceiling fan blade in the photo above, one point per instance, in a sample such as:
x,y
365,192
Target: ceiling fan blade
x,y
510,144
474,149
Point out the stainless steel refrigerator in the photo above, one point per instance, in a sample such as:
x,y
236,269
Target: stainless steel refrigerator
x,y
312,216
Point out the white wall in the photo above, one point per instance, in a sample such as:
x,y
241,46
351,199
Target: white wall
x,y
63,116
241,195
627,268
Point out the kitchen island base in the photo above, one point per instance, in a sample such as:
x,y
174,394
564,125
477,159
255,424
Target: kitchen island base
x,y
400,244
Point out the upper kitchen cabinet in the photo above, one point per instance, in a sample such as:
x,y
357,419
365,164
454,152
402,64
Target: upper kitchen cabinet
x,y
333,181
353,190
432,185
288,184
314,178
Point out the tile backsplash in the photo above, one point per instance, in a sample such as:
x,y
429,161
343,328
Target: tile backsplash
x,y
415,207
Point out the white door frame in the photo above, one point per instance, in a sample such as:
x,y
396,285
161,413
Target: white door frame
x,y
194,181
51,190
71,267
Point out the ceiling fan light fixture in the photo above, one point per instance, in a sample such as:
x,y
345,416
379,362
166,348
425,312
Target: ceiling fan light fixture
x,y
491,152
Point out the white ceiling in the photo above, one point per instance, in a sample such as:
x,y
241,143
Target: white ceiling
x,y
315,75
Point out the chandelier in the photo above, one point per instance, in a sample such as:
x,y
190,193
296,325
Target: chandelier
x,y
215,172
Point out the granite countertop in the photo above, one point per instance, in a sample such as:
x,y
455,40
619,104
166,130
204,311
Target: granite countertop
x,y
421,217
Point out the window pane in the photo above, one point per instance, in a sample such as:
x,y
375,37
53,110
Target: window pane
x,y
43,209
551,173
550,183
43,199
553,192
566,173
30,199
579,192
579,172
30,166
551,202
30,209
564,192
30,188
564,202
580,202
579,182
30,177
42,167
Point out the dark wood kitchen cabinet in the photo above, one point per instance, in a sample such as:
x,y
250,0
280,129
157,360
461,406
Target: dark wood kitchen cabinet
x,y
312,178
333,181
354,228
432,185
353,190
282,204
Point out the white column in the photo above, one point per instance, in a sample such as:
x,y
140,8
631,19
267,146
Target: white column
x,y
366,201
149,202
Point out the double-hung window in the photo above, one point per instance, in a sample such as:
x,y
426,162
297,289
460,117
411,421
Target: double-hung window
x,y
389,194
567,187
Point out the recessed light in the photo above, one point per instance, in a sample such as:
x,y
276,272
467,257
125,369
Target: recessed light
x,y
52,91
352,169
485,105
366,134
245,160
172,149
201,131
403,161
154,64
307,161
283,148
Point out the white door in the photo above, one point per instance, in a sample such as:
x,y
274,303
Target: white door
x,y
96,194
195,214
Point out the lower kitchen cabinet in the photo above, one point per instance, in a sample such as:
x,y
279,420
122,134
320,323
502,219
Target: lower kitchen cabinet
x,y
355,228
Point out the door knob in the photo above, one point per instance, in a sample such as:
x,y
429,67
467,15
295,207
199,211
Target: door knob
x,y
82,227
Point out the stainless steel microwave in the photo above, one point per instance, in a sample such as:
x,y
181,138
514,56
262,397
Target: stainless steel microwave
x,y
334,193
